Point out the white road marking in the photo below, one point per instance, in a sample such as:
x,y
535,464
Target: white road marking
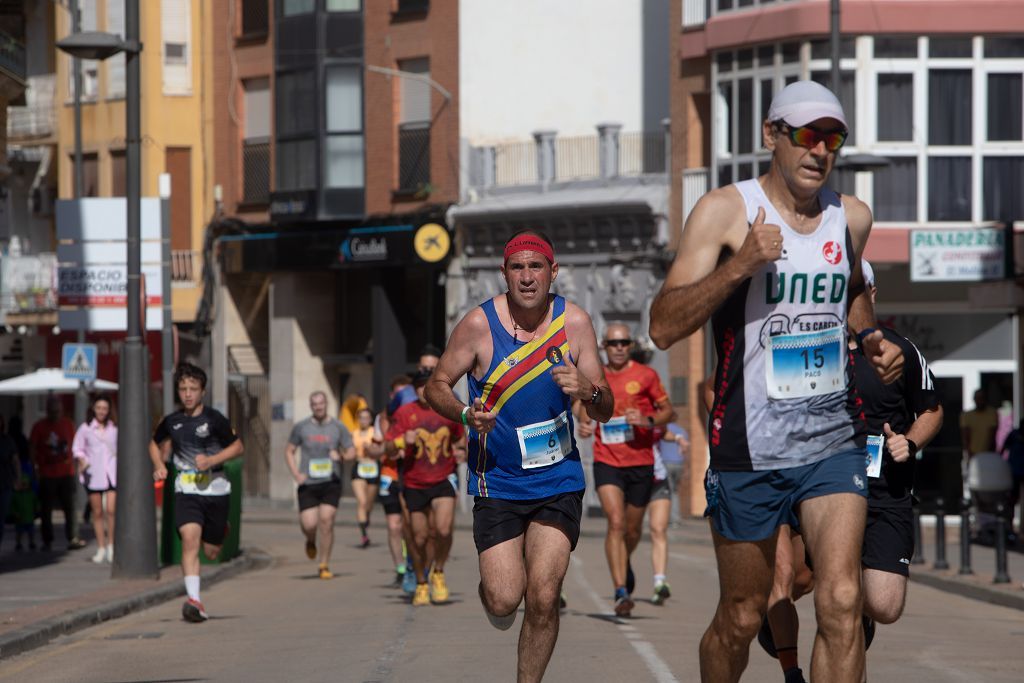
x,y
655,664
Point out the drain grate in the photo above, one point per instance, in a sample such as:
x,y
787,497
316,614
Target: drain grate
x,y
148,635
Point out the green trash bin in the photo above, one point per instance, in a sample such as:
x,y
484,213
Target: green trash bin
x,y
170,542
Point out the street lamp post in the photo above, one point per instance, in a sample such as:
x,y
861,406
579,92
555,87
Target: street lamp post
x,y
135,531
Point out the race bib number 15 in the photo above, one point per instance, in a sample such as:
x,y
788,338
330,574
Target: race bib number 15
x,y
802,365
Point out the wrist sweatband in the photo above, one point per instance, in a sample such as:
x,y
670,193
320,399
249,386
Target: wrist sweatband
x,y
465,422
865,332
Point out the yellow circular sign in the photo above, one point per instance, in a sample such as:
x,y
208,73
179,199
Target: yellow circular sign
x,y
633,387
432,242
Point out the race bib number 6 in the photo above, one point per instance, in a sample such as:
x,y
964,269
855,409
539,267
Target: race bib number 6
x,y
544,443
802,365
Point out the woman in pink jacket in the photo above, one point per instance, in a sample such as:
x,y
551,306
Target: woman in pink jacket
x,y
95,450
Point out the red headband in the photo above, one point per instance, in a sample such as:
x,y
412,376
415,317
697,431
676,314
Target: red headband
x,y
529,243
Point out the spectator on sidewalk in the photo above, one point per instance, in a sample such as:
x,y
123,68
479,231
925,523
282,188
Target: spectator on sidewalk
x,y
50,441
9,474
25,501
1013,451
95,451
978,426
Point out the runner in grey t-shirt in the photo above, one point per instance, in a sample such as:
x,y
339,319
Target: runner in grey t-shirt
x,y
323,442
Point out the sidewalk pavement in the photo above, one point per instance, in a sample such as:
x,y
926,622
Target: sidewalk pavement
x,y
43,596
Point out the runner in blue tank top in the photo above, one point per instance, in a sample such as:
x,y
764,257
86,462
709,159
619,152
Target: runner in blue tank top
x,y
528,355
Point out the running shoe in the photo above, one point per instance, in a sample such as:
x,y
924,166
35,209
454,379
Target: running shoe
x,y
100,556
422,596
869,631
397,583
76,544
325,573
630,578
193,611
501,623
766,639
438,587
311,549
662,592
364,542
794,675
110,553
409,582
562,602
623,603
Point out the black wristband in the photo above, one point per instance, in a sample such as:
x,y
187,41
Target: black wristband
x,y
865,332
650,422
913,447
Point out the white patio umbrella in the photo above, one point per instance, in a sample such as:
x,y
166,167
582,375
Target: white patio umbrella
x,y
46,380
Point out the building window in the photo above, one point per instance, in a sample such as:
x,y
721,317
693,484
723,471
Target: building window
x,y
414,126
116,64
90,174
949,106
343,162
256,141
949,188
296,157
255,19
895,190
176,21
895,107
118,174
90,67
291,8
413,5
343,5
1004,107
1002,180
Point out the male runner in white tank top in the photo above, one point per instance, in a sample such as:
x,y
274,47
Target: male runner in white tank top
x,y
775,263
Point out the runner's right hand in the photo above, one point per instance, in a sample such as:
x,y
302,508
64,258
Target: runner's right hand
x,y
480,421
160,473
584,426
410,437
300,478
762,245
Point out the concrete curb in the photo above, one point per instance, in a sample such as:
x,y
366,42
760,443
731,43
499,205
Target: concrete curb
x,y
40,633
970,589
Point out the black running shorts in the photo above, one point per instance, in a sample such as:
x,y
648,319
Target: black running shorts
x,y
320,493
889,539
496,521
418,500
661,490
388,497
209,512
636,482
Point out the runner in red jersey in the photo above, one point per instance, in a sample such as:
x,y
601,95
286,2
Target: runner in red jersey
x,y
624,455
427,444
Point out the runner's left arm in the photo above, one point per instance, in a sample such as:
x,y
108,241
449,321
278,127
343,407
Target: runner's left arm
x,y
885,356
231,445
921,399
578,379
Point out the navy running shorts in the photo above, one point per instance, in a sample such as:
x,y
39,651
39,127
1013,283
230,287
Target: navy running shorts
x,y
750,506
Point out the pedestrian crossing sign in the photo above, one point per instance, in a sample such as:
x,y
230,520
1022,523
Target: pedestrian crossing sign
x,y
79,362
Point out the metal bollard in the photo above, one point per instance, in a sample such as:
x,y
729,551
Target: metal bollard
x,y
1002,576
965,537
940,536
918,557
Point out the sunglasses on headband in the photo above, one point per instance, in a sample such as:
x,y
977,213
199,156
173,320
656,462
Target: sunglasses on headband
x,y
809,137
618,342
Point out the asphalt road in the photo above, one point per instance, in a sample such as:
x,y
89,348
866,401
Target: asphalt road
x,y
283,624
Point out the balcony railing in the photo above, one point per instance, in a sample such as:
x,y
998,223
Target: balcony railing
x,y
695,185
695,12
28,284
12,55
413,157
186,267
575,158
37,117
256,171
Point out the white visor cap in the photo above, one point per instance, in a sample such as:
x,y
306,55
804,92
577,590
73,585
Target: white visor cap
x,y
801,102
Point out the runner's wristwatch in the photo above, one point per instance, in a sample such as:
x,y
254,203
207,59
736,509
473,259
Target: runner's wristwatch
x,y
595,398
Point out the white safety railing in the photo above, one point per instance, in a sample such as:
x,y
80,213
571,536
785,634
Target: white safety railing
x,y
695,13
695,185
